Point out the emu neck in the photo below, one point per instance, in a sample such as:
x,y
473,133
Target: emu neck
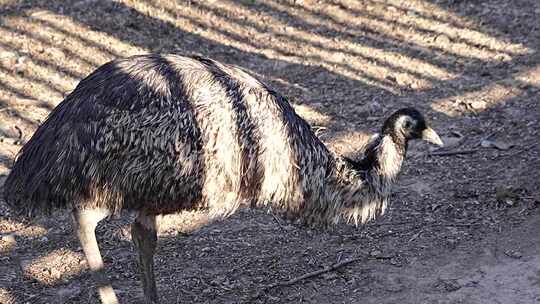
x,y
380,167
389,157
358,191
383,157
346,189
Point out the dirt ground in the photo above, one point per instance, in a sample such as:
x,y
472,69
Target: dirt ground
x,y
464,224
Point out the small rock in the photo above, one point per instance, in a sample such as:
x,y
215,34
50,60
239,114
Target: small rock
x,y
451,141
486,143
381,255
22,59
329,276
503,57
497,144
478,104
506,195
442,39
375,253
515,254
449,285
396,262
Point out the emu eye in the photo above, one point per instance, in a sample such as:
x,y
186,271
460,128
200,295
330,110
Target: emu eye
x,y
407,124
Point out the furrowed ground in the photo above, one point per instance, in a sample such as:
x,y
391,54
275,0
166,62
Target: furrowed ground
x,y
464,224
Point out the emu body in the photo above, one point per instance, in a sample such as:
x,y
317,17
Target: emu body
x,y
158,134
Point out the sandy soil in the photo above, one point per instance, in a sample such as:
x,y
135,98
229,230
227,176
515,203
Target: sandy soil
x,y
464,226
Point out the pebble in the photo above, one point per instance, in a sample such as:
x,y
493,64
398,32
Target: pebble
x,y
515,254
449,285
380,255
22,59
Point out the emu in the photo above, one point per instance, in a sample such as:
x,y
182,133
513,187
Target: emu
x,y
162,133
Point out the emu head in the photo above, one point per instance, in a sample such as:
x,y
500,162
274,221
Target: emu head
x,y
409,124
382,162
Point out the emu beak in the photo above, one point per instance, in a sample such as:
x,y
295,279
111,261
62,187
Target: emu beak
x,y
431,136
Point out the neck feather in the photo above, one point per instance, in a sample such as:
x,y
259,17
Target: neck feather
x,y
352,191
389,157
367,196
383,157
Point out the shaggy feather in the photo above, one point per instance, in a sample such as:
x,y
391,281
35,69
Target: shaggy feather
x,y
166,133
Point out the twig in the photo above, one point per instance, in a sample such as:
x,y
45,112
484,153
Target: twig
x,y
458,224
391,223
314,273
10,108
520,151
13,108
414,237
21,133
278,222
456,152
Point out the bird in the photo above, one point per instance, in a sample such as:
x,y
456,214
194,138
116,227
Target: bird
x,y
156,134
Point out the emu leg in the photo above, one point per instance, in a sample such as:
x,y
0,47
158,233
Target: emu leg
x,y
86,222
144,235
